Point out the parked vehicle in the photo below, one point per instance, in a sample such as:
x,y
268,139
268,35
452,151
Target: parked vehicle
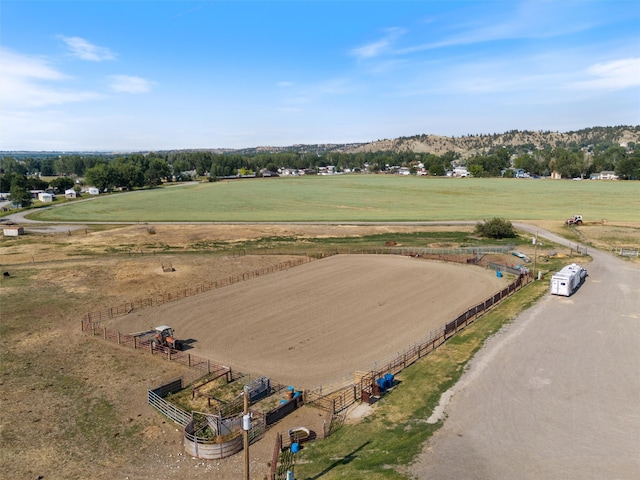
x,y
568,280
575,220
162,336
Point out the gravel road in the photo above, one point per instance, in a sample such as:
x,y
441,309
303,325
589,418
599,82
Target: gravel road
x,y
554,395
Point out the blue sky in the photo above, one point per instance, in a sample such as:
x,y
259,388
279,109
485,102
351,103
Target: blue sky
x,y
156,75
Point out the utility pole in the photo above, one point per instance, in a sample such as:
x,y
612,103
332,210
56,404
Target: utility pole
x,y
246,426
535,255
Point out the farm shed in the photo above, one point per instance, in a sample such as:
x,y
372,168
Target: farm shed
x,y
12,231
45,197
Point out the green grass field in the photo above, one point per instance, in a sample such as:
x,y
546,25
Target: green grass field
x,y
354,198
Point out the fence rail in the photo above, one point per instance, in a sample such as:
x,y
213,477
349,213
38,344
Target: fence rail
x,y
365,385
130,307
168,409
335,402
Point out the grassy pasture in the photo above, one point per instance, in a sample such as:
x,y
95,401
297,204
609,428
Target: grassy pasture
x,y
353,198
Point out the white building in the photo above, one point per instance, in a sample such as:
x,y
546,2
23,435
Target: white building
x,y
45,197
461,172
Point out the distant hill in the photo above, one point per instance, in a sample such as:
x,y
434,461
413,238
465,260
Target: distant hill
x,y
466,145
469,145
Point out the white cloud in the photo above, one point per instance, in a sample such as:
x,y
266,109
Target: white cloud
x,y
612,75
379,47
82,49
24,83
16,65
129,84
529,19
285,84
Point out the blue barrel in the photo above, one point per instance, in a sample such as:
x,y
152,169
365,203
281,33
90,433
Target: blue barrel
x,y
295,447
388,380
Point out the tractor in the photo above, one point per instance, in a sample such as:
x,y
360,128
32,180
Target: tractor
x,y
163,337
575,220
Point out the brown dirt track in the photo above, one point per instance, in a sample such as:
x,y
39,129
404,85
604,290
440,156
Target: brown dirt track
x,y
317,323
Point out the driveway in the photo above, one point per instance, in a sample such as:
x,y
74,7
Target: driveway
x,y
554,395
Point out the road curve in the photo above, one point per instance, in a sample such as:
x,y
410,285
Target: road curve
x,y
555,394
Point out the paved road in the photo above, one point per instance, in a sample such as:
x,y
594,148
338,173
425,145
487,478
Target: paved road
x,y
554,395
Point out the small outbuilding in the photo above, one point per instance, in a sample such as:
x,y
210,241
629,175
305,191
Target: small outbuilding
x,y
12,231
70,194
45,197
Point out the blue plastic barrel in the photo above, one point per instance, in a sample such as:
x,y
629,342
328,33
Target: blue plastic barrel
x,y
295,446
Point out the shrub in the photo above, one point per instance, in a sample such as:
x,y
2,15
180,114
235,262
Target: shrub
x,y
495,228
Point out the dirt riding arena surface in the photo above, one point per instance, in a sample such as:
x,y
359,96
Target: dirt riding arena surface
x,y
317,323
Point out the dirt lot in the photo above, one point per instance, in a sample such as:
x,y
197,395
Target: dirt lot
x,y
315,324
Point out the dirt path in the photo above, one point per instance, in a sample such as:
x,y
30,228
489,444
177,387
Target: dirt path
x,y
553,395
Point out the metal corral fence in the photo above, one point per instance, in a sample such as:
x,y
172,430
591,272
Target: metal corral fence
x,y
628,252
507,268
156,399
457,255
365,384
198,366
129,307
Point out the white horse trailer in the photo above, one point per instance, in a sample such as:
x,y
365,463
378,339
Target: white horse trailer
x,y
568,280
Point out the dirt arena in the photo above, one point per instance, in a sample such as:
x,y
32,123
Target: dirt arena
x,y
315,324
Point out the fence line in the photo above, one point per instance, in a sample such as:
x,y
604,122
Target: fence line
x,y
335,402
168,409
200,366
443,254
129,307
365,386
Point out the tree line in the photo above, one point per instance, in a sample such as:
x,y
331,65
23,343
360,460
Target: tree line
x,y
138,170
570,163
